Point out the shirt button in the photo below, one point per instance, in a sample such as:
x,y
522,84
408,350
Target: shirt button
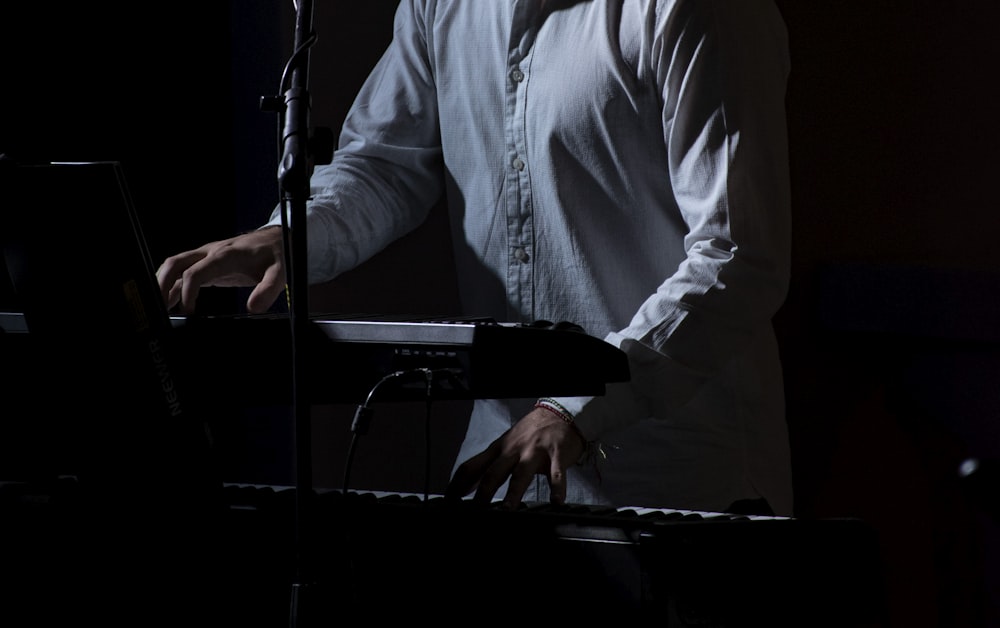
x,y
517,75
518,163
520,254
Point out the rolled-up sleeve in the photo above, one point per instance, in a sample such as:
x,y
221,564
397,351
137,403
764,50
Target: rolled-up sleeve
x,y
722,68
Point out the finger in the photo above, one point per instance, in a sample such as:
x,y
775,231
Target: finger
x,y
520,479
490,483
463,480
168,275
190,287
466,477
265,293
493,478
221,268
168,286
173,295
557,482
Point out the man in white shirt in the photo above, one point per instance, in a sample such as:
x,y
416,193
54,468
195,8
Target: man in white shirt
x,y
621,165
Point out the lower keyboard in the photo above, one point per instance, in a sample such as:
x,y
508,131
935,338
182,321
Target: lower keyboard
x,y
370,550
709,569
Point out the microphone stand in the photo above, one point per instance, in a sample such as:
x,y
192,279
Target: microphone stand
x,y
294,171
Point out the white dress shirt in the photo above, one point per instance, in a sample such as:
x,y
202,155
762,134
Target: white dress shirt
x,y
618,164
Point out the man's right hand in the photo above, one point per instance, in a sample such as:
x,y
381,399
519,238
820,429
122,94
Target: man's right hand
x,y
253,259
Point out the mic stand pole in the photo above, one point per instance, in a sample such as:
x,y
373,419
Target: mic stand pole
x,y
293,176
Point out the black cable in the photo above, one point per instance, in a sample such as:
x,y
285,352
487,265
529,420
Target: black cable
x,y
428,401
364,413
293,61
359,427
362,421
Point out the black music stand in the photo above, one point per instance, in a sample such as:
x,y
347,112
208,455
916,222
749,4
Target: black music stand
x,y
131,479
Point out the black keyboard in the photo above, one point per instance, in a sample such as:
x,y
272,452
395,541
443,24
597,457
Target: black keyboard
x,y
372,551
435,358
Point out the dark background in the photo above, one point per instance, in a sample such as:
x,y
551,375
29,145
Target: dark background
x,y
891,329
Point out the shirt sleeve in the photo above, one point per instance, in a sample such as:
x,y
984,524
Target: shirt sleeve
x,y
387,170
721,67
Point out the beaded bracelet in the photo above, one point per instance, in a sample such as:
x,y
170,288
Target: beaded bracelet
x,y
554,406
593,452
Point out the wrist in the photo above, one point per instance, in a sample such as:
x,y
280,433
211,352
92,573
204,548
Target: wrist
x,y
555,408
592,450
